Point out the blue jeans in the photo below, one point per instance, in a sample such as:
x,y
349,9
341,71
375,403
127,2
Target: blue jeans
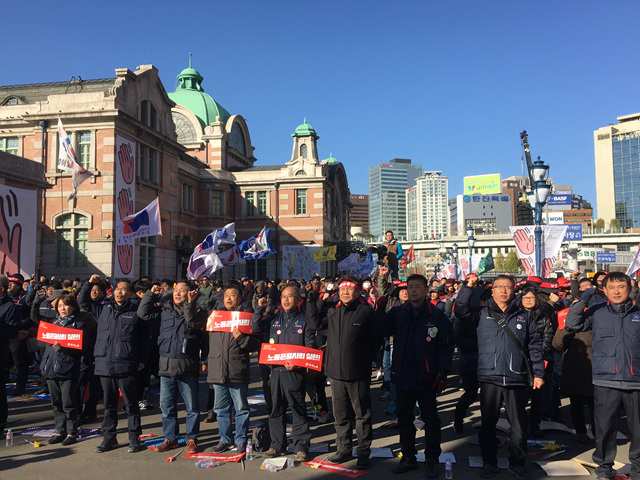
x,y
228,397
189,388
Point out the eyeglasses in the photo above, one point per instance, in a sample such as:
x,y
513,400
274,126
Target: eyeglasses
x,y
503,287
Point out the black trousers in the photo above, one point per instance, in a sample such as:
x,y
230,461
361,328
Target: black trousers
x,y
470,386
406,401
515,402
289,389
20,354
352,402
129,388
316,382
265,372
607,403
87,378
4,408
65,407
577,413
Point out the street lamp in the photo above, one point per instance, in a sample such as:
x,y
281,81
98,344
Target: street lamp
x,y
537,198
454,251
471,241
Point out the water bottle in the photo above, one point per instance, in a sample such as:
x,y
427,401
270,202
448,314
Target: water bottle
x,y
9,438
271,467
249,450
448,470
206,463
291,463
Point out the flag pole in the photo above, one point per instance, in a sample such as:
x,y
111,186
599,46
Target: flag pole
x,y
164,274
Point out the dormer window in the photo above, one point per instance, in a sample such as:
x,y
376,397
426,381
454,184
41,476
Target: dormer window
x,y
303,151
149,114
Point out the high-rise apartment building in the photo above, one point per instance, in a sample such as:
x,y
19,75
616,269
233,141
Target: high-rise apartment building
x,y
617,156
387,201
360,212
427,211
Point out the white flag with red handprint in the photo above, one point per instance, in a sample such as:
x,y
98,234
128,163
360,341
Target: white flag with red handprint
x,y
18,220
523,237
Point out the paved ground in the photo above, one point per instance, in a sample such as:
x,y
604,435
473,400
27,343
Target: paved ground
x,y
79,461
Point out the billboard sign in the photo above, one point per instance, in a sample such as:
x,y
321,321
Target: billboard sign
x,y
483,184
573,233
560,200
606,257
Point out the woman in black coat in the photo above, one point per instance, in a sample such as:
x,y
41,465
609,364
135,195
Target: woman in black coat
x,y
542,314
61,367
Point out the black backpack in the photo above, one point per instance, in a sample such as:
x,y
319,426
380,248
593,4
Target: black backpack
x,y
261,438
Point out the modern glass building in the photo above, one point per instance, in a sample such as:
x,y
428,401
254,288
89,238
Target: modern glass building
x,y
387,202
617,157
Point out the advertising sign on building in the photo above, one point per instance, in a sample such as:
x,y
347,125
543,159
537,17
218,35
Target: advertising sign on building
x,y
555,218
573,233
559,201
606,257
483,184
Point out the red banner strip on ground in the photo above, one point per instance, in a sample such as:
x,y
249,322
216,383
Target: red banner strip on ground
x,y
339,469
223,321
66,337
280,354
216,456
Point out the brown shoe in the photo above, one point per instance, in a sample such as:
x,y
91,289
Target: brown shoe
x,y
166,446
301,456
210,418
192,446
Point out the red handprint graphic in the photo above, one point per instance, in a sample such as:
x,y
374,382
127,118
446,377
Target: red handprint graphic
x,y
125,205
125,258
524,241
9,239
528,268
126,162
464,263
547,265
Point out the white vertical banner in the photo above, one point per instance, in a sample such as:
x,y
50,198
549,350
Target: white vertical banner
x,y
125,199
524,238
17,231
464,268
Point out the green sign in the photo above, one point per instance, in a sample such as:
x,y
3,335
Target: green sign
x,y
483,184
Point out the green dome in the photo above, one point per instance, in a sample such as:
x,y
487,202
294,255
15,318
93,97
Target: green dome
x,y
305,130
331,159
190,95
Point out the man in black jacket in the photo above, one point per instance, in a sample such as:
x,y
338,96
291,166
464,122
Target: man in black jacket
x,y
348,364
288,383
615,327
423,346
10,322
228,370
122,345
182,358
502,369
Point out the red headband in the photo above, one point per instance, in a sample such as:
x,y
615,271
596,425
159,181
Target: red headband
x,y
15,280
348,284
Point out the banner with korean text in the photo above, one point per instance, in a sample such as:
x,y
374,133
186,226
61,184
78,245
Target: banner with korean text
x,y
296,355
66,337
224,321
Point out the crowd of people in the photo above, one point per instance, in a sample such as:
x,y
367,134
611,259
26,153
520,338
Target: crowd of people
x,y
520,344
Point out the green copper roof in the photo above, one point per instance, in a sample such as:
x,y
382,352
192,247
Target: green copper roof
x,y
305,130
331,159
190,95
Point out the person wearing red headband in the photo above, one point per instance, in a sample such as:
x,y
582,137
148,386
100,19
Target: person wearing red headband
x,y
348,359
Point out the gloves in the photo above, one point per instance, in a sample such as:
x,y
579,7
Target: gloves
x,y
313,295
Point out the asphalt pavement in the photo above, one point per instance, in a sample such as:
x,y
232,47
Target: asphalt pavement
x,y
79,461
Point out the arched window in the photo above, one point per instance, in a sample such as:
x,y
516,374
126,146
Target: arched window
x,y
301,172
303,150
72,230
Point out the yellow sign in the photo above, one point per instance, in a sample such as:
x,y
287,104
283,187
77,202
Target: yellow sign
x,y
483,184
325,254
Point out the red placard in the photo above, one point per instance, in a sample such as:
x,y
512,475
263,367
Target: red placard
x,y
339,469
66,337
280,353
224,321
215,456
562,316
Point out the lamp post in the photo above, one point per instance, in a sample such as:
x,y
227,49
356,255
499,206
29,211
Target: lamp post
x,y
471,241
454,251
537,197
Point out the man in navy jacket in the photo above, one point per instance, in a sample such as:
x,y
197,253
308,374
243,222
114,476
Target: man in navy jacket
x,y
122,345
423,346
502,369
615,358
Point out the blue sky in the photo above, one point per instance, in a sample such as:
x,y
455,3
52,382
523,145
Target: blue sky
x,y
448,84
